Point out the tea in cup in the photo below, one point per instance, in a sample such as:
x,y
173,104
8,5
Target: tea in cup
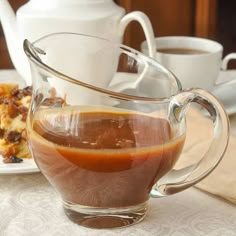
x,y
108,156
195,61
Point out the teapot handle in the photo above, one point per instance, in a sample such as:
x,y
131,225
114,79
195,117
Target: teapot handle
x,y
146,25
177,180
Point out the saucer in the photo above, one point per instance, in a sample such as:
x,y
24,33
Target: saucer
x,y
226,92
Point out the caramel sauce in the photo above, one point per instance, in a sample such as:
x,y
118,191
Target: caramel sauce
x,y
103,159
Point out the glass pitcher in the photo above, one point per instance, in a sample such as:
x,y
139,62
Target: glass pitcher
x,y
107,126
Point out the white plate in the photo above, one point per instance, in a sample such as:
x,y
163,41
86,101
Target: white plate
x,y
27,166
11,76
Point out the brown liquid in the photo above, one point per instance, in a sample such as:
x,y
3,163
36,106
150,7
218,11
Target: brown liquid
x,y
106,159
187,51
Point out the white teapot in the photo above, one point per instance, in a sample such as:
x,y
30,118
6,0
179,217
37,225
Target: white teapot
x,y
37,18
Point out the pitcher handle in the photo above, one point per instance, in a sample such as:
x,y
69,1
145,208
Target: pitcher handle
x,y
146,25
177,180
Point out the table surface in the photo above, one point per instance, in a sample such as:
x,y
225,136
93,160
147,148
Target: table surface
x,y
30,206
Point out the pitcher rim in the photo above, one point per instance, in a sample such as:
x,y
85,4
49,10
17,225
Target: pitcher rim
x,y
31,52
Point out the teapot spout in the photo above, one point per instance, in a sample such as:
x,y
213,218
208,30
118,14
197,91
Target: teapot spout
x,y
14,40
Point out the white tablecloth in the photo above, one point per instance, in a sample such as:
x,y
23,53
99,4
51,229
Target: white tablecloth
x,y
30,206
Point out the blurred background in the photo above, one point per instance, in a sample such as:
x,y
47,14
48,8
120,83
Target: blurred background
x,y
213,19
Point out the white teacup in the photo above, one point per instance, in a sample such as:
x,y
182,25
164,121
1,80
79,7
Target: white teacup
x,y
197,65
